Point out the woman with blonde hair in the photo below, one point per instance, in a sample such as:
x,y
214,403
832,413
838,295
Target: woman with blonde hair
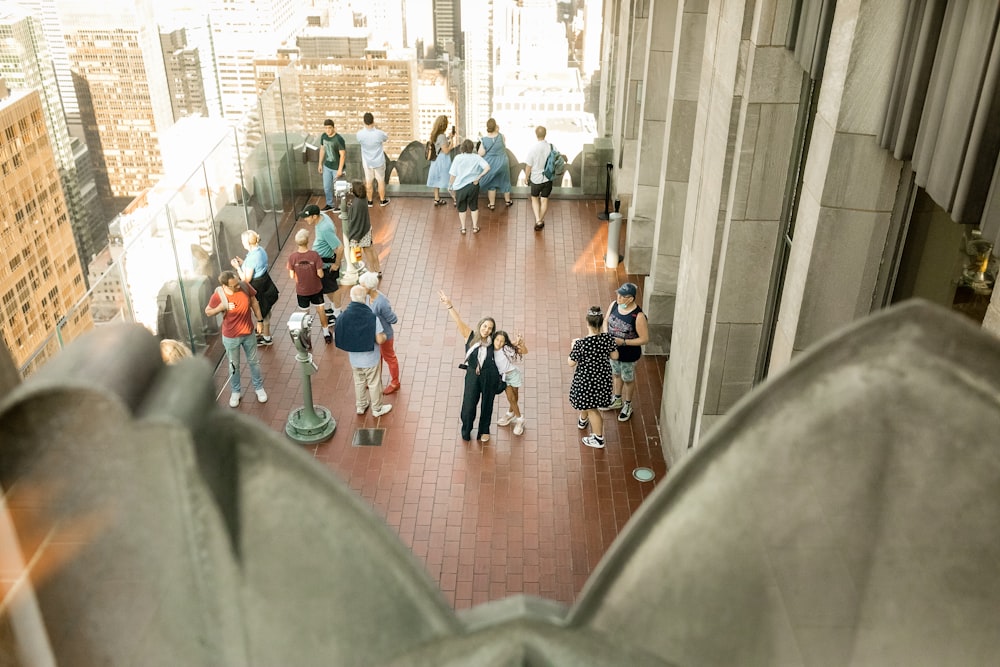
x,y
253,270
173,351
437,177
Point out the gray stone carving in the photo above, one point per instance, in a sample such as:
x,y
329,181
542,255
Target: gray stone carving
x,y
844,513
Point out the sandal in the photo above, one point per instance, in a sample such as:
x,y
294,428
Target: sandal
x,y
439,202
509,203
492,207
463,230
475,230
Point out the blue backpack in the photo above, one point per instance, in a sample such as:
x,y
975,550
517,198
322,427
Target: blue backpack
x,y
555,164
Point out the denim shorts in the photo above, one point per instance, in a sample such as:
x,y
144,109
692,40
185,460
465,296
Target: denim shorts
x,y
626,369
513,378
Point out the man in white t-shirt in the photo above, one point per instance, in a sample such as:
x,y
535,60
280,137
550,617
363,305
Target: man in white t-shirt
x,y
534,172
371,140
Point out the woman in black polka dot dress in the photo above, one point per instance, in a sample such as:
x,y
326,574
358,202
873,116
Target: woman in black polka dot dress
x,y
592,386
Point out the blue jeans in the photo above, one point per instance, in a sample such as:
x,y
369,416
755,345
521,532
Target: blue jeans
x,y
328,177
249,344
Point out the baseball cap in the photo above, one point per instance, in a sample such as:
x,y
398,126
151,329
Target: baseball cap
x,y
628,289
309,210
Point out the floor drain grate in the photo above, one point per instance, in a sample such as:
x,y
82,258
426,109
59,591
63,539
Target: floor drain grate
x,y
368,437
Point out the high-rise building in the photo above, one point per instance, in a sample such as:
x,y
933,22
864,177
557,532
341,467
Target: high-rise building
x,y
345,88
40,273
448,29
184,79
241,32
477,94
26,63
115,55
47,13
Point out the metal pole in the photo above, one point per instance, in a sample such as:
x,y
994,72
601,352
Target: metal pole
x,y
607,193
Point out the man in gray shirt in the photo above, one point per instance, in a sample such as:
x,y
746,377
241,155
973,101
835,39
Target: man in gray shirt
x,y
373,157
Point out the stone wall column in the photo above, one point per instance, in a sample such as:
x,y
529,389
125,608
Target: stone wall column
x,y
849,183
717,131
629,34
753,223
661,24
687,20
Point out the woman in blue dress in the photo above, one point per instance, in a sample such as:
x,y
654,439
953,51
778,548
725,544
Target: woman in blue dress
x,y
493,149
437,177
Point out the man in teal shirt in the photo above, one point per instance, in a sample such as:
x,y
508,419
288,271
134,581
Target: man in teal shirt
x,y
331,250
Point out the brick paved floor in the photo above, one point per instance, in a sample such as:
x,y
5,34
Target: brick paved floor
x,y
523,514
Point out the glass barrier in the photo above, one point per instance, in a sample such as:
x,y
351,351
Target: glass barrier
x,y
169,245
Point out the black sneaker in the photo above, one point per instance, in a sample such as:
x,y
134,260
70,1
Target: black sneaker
x,y
264,341
370,204
327,208
336,209
384,202
328,337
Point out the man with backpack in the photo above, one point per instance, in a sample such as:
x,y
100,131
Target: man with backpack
x,y
534,173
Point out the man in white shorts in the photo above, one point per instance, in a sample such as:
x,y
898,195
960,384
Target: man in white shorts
x,y
371,140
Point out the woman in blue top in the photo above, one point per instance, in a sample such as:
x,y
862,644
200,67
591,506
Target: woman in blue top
x,y
253,270
493,149
437,177
464,177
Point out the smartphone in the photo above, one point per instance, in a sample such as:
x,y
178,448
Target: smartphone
x,y
453,130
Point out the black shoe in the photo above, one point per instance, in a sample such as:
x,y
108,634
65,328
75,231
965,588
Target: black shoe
x,y
466,436
327,208
336,209
384,202
370,204
328,337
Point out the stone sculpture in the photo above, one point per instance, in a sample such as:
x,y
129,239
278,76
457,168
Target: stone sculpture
x,y
846,512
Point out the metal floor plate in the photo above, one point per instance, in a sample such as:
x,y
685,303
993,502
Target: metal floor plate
x,y
368,437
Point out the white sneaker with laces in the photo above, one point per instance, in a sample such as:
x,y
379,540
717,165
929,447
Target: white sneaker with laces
x,y
506,419
385,409
592,441
261,395
234,400
519,426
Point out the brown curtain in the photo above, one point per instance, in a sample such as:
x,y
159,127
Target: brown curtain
x,y
943,112
808,34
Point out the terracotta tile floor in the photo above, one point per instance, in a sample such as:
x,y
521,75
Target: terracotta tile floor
x,y
523,514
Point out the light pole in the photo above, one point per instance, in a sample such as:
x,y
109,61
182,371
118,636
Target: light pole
x,y
308,424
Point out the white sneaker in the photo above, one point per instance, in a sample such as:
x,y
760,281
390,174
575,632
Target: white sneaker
x,y
234,400
385,409
506,419
362,411
593,441
261,395
519,426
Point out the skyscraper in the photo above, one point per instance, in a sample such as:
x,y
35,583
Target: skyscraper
x,y
184,79
241,32
26,63
114,51
40,273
